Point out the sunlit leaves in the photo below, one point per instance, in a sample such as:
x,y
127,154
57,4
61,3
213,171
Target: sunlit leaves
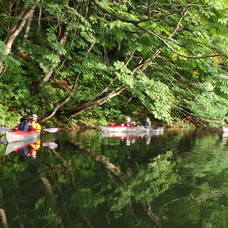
x,y
154,95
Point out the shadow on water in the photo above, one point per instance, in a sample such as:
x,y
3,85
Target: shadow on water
x,y
81,179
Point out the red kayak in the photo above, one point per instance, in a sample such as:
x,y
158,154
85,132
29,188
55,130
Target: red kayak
x,y
15,136
129,130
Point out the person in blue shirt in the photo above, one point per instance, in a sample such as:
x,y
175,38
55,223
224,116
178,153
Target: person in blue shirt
x,y
24,125
147,122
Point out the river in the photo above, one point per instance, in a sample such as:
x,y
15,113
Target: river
x,y
81,179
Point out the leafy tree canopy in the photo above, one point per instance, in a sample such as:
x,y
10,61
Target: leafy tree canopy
x,y
100,59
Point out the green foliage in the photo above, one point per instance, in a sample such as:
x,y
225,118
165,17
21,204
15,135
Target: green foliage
x,y
154,95
7,119
113,44
149,183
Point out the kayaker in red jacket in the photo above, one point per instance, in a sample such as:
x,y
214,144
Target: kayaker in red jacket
x,y
24,125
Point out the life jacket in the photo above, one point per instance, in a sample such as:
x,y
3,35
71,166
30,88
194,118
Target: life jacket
x,y
36,126
24,126
147,124
36,145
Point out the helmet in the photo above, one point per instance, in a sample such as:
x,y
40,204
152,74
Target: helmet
x,y
128,119
34,116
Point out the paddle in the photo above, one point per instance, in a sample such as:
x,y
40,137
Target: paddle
x,y
4,129
51,145
50,130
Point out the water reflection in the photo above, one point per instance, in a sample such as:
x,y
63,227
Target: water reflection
x,y
225,136
27,148
83,180
125,134
130,139
51,145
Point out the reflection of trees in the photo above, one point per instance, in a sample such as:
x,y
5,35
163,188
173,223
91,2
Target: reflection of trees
x,y
202,190
111,167
114,169
171,196
80,185
63,182
147,185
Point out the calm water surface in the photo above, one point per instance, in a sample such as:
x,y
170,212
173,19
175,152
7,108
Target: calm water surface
x,y
80,179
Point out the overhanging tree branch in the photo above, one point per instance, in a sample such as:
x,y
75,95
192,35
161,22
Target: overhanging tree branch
x,y
117,16
61,103
162,39
72,112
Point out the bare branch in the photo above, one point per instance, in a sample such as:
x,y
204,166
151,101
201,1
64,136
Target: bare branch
x,y
39,18
221,76
106,97
179,5
16,29
61,103
132,55
51,70
178,24
29,20
188,56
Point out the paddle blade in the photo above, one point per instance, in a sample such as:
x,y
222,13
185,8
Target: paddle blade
x,y
51,130
51,145
4,129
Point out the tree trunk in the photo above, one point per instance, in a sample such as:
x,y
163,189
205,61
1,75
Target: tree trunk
x,y
3,218
29,21
62,41
108,96
61,103
16,29
77,110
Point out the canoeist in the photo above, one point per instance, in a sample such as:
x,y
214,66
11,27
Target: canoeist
x,y
30,150
35,123
147,122
129,122
24,125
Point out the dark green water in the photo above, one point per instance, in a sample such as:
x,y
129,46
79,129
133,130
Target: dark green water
x,y
179,179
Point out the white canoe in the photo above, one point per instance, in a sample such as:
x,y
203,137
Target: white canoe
x,y
19,145
131,130
123,135
16,136
225,129
225,135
